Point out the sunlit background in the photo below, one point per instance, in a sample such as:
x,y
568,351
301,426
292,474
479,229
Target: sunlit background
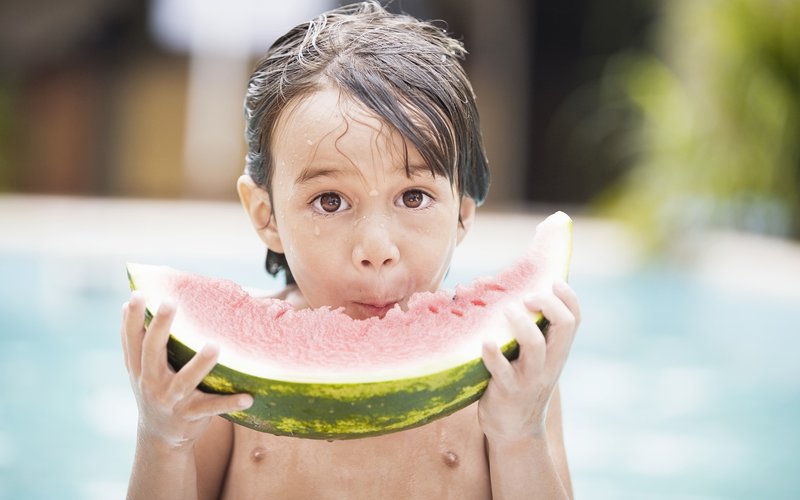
x,y
669,129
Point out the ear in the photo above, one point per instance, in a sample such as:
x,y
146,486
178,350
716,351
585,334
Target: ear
x,y
467,214
256,203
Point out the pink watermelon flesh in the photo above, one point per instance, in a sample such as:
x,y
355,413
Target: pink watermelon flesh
x,y
324,340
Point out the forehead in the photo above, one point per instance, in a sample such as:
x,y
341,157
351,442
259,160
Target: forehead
x,y
329,127
323,109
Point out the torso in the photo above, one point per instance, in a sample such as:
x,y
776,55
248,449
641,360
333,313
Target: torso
x,y
444,459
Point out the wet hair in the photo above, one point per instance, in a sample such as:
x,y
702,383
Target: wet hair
x,y
406,71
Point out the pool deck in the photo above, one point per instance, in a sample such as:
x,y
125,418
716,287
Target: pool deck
x,y
151,229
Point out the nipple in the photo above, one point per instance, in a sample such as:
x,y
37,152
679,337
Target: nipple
x,y
258,454
450,459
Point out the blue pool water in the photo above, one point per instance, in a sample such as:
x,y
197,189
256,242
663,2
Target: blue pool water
x,y
673,390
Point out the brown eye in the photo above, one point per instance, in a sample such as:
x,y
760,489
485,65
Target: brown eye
x,y
330,202
414,198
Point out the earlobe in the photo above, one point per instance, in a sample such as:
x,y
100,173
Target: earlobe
x,y
256,203
466,217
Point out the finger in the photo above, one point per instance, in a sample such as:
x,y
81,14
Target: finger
x,y
560,331
154,347
192,373
498,366
564,292
122,336
532,348
135,333
207,405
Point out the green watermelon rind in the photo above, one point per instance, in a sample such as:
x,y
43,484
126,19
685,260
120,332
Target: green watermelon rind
x,y
342,410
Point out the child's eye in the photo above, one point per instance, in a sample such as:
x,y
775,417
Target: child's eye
x,y
330,203
414,198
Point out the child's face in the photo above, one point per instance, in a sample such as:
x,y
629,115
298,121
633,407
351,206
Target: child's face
x,y
357,231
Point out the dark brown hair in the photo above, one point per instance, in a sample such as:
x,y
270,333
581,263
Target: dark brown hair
x,y
406,71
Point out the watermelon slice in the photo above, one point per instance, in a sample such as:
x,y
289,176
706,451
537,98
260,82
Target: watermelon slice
x,y
321,374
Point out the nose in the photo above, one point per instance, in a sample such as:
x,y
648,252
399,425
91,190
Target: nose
x,y
374,246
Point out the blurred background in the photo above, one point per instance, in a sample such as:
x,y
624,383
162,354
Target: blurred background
x,y
669,129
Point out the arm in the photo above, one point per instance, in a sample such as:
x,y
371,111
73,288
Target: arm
x,y
173,414
541,462
520,413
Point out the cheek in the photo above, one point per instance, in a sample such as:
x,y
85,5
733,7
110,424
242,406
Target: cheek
x,y
315,250
431,246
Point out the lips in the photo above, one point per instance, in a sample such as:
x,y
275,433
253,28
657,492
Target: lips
x,y
371,309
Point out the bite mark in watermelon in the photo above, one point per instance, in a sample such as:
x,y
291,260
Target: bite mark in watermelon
x,y
321,374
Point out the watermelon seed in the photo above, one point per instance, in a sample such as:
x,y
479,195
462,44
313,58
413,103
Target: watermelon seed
x,y
457,312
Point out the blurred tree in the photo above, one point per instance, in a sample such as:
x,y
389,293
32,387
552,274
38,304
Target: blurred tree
x,y
713,137
570,144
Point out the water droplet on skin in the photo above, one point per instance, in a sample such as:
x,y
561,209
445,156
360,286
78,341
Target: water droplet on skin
x,y
309,142
374,192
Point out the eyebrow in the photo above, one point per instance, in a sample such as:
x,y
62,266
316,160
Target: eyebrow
x,y
310,173
416,168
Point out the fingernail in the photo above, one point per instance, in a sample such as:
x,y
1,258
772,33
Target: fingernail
x,y
490,344
211,348
245,401
167,305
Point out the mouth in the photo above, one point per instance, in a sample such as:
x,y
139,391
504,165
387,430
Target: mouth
x,y
372,309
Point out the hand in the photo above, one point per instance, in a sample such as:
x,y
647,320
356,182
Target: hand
x,y
516,401
172,411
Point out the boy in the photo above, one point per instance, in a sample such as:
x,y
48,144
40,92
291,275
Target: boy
x,y
364,169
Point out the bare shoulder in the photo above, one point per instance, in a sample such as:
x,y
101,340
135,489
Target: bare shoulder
x,y
444,459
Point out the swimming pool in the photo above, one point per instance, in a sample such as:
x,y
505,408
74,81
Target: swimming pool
x,y
676,387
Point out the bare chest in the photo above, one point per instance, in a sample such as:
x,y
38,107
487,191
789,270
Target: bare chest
x,y
445,459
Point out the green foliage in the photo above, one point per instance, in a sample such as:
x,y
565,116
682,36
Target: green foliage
x,y
718,110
